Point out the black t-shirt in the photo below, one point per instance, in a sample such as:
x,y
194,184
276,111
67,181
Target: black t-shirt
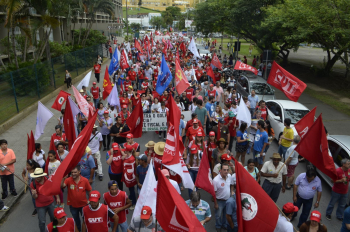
x,y
115,130
186,102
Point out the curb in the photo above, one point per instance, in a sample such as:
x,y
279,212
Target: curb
x,y
11,204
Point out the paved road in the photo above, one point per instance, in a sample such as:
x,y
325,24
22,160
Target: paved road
x,y
20,218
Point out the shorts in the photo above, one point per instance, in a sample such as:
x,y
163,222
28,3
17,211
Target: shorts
x,y
241,148
260,159
290,170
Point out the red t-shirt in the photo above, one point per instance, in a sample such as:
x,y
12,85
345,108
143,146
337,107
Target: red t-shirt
x,y
110,49
212,93
115,202
95,92
144,85
97,219
134,100
97,68
117,163
191,132
124,101
231,127
127,84
77,192
140,74
132,75
164,99
263,112
341,188
41,200
189,93
123,116
190,124
69,225
129,172
155,72
217,76
210,148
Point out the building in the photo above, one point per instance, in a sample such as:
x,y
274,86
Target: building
x,y
161,5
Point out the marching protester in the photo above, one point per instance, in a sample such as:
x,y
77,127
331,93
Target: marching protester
x,y
61,223
31,165
145,222
314,224
283,222
95,144
199,207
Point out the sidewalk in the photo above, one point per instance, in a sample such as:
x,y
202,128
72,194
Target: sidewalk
x,y
16,137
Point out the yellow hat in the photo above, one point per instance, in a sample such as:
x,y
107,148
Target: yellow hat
x,y
159,148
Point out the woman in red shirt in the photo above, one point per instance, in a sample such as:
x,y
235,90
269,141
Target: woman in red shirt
x,y
210,145
124,100
61,223
263,110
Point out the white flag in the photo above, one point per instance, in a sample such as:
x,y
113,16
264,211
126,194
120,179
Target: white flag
x,y
243,113
113,98
43,115
148,193
85,81
193,48
192,72
75,109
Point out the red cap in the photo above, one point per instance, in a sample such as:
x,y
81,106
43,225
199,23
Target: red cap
x,y
225,157
59,213
211,85
128,148
127,78
199,133
125,106
94,83
146,212
94,196
146,78
195,120
115,146
194,149
290,208
129,136
106,112
165,172
315,216
211,133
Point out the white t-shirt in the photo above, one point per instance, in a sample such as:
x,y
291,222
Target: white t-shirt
x,y
53,166
283,225
62,157
155,106
181,106
222,187
176,185
192,107
113,114
294,155
94,144
160,110
145,105
270,168
40,158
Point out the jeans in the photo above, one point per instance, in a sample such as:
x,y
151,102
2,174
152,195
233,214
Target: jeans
x,y
11,182
75,214
97,156
220,214
252,111
96,101
341,199
250,146
307,205
140,81
106,141
193,174
1,204
272,189
118,178
33,200
42,215
123,226
232,138
132,195
282,151
229,229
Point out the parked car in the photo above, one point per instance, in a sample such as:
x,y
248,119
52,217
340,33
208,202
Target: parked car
x,y
248,81
204,52
278,110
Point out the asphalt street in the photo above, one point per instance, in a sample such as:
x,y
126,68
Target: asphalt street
x,y
20,218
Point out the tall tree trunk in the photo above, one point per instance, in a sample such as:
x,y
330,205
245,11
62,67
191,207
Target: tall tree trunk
x,y
81,25
284,54
2,63
88,32
25,50
14,46
331,62
41,49
73,34
9,49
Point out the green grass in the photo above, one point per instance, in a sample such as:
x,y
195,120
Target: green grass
x,y
135,11
330,100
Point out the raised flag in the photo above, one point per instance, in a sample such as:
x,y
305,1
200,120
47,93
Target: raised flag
x,y
243,113
193,48
305,123
43,115
113,98
165,48
75,109
314,148
148,193
242,66
254,206
124,60
107,85
137,45
114,64
204,178
60,99
69,126
180,78
173,214
210,73
164,78
30,145
85,81
291,86
135,121
82,103
216,62
53,185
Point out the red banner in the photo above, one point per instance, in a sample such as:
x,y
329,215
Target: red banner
x,y
107,85
210,73
123,60
135,122
305,123
180,78
216,62
60,99
242,66
30,145
69,126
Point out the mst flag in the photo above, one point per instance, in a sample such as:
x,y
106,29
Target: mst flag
x,y
30,145
242,66
291,86
305,123
216,62
135,122
164,77
107,85
84,106
114,64
180,78
69,125
254,206
314,148
60,99
43,115
173,214
204,179
53,185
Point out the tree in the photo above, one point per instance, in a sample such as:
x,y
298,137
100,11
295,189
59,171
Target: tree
x,y
167,18
157,22
174,11
135,26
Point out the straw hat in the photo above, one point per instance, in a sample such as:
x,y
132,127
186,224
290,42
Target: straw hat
x,y
159,148
276,156
150,144
38,172
221,140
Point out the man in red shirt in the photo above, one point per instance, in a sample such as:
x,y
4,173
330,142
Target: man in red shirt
x,y
118,201
127,83
140,77
95,91
232,124
193,131
217,75
96,215
211,92
154,83
145,84
124,114
77,187
59,137
190,122
164,97
110,51
97,69
132,76
130,141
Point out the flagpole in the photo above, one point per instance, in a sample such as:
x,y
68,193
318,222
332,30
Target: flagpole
x,y
26,185
285,216
285,162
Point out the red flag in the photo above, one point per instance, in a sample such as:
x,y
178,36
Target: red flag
x,y
60,99
163,41
173,214
30,145
123,60
204,180
291,86
69,126
177,54
52,145
242,66
183,49
210,73
53,185
218,134
314,148
254,206
137,45
305,123
165,48
216,62
107,85
135,122
180,78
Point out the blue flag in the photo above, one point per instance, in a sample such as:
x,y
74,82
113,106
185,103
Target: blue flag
x,y
114,65
164,78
